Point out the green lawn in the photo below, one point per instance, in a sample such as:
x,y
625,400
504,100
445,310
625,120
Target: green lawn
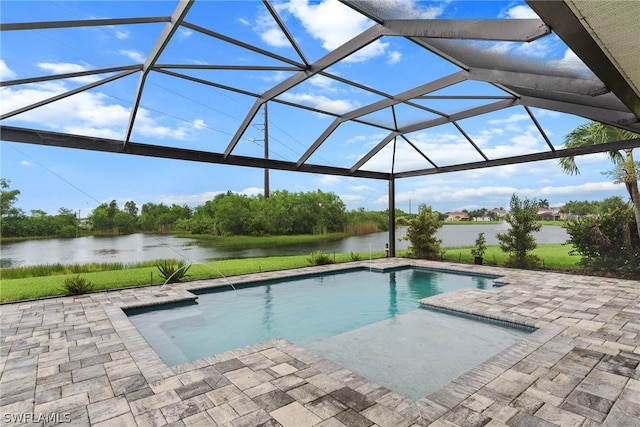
x,y
554,256
50,285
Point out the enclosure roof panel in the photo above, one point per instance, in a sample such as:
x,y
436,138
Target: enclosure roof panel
x,y
195,80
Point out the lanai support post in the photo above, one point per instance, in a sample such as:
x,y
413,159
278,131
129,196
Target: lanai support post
x,y
392,217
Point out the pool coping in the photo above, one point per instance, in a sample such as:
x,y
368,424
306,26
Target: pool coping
x,y
520,384
154,368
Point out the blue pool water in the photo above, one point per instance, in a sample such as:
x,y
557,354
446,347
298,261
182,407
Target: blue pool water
x,y
359,314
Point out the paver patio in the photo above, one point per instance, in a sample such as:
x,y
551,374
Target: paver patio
x,y
80,361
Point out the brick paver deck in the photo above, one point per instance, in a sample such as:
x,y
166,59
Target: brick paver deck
x,y
79,360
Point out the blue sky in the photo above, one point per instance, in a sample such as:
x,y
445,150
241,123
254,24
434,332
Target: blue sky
x,y
183,114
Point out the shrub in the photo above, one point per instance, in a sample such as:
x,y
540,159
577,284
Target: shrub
x,y
319,258
519,241
76,285
607,242
421,233
173,271
481,246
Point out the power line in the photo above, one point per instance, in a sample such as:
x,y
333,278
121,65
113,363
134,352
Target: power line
x,y
53,173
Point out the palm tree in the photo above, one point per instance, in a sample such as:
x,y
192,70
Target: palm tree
x,y
625,171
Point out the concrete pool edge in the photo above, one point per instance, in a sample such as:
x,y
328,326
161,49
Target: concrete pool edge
x,y
74,355
155,369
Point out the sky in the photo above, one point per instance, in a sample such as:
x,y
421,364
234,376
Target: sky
x,y
182,114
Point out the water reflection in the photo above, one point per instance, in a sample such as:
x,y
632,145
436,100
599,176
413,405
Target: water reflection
x,y
393,295
480,282
144,247
267,318
422,284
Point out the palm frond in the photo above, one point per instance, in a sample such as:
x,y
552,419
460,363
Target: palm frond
x,y
593,133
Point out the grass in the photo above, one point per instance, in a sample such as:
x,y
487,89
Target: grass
x,y
66,269
45,286
554,256
113,276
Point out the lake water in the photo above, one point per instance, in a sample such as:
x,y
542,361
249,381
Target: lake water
x,y
145,247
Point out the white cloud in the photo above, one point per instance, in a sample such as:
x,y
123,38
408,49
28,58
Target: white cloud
x,y
66,67
362,188
322,82
184,33
536,49
26,163
375,49
328,180
587,189
198,124
252,191
149,127
133,54
122,35
528,140
269,31
330,21
87,113
569,61
61,67
333,24
274,37
467,187
352,199
514,118
188,199
521,12
5,72
321,102
394,57
201,198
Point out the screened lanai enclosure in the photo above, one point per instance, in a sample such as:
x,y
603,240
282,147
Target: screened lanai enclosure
x,y
291,86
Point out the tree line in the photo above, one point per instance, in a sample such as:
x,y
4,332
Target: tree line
x,y
282,213
577,209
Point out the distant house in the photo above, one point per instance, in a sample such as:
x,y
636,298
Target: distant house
x,y
549,214
497,213
457,216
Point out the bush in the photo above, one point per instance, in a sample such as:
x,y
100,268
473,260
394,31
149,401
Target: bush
x,y
173,272
355,256
319,258
421,233
607,242
519,241
481,246
76,285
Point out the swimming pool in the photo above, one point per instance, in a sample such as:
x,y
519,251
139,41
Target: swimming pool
x,y
361,319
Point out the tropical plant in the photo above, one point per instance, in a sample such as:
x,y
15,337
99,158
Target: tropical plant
x,y
319,258
173,271
76,285
518,240
355,256
422,234
625,169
